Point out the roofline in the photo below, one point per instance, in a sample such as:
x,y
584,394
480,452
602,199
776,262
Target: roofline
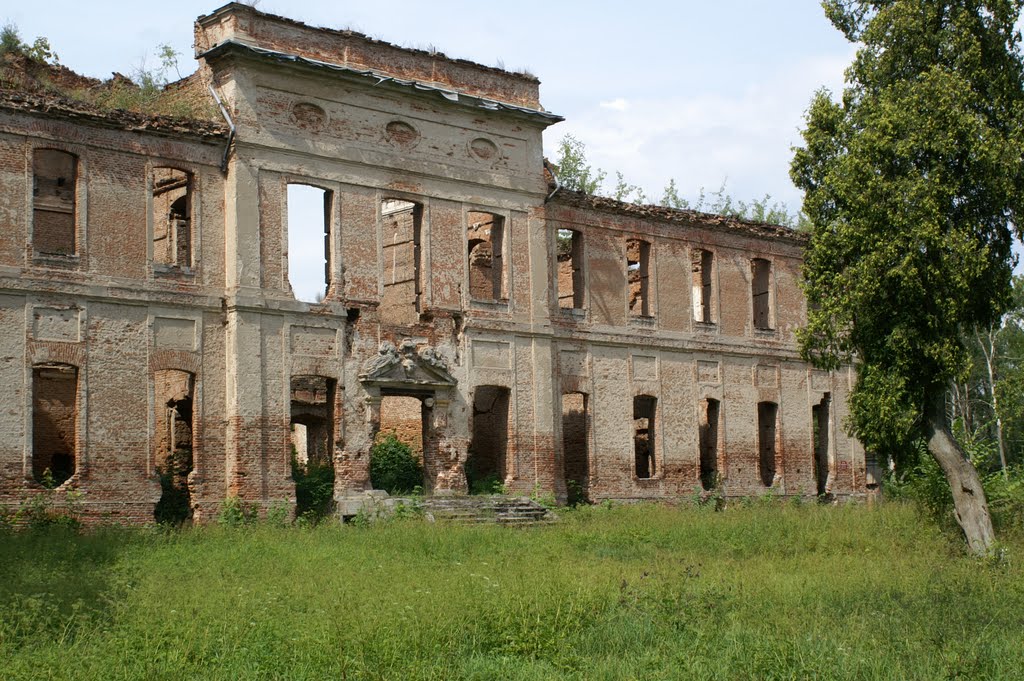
x,y
54,106
450,95
577,199
206,19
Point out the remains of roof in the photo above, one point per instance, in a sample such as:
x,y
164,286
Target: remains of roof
x,y
688,217
63,107
379,77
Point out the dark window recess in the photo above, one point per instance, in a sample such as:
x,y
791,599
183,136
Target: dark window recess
x,y
569,244
644,407
172,218
638,262
702,263
54,175
761,293
709,444
54,423
767,413
485,238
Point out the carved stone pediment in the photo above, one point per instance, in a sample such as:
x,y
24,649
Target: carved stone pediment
x,y
405,367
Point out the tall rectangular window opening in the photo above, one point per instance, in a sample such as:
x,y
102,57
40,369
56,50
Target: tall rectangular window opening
x,y
702,263
767,413
485,238
54,423
173,393
819,426
575,451
638,258
402,229
761,293
309,241
709,444
54,176
644,407
172,218
569,244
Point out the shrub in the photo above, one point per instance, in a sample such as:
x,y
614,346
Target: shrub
x,y
235,513
393,468
314,489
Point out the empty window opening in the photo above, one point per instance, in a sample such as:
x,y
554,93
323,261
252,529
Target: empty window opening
x,y
54,175
312,402
486,242
702,263
309,242
767,412
709,444
575,453
644,407
173,393
570,269
54,423
172,218
403,258
819,425
487,465
638,257
761,292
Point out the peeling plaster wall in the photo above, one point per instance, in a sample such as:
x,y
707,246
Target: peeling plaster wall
x,y
232,322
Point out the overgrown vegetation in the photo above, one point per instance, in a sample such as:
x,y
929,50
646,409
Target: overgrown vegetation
x,y
149,90
314,489
575,173
766,590
394,468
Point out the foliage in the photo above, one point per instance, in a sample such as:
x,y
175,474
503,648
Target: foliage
x,y
630,592
393,468
39,50
991,404
911,182
573,170
314,489
237,513
575,173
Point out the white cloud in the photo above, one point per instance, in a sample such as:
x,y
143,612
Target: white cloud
x,y
617,104
702,138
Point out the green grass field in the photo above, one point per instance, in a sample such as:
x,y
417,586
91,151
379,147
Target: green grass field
x,y
645,592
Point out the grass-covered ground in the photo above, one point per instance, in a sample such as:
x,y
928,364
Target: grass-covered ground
x,y
646,592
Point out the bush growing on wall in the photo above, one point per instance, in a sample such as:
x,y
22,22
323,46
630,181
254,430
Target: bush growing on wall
x,y
393,468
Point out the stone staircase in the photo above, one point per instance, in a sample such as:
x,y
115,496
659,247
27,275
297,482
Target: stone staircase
x,y
495,508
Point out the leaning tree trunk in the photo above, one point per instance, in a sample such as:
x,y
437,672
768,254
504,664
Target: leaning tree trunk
x,y
969,502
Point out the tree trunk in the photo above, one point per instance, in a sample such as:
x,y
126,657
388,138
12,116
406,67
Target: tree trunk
x,y
969,502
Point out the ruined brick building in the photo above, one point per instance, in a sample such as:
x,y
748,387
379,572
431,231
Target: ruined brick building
x,y
561,343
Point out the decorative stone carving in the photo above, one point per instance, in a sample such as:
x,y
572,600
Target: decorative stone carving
x,y
404,366
401,134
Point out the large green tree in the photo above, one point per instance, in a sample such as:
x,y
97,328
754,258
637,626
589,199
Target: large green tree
x,y
914,183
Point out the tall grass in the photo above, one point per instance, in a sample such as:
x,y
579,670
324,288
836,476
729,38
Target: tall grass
x,y
645,592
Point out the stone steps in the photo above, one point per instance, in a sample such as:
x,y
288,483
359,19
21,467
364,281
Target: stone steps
x,y
504,510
